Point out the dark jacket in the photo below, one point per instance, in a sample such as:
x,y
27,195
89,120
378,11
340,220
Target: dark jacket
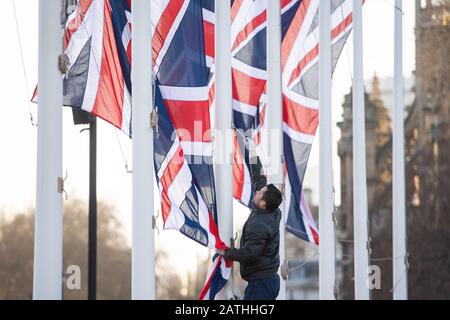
x,y
259,247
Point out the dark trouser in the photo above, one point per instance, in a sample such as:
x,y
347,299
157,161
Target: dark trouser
x,y
264,289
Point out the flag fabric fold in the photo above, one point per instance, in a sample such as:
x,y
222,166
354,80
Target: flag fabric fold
x,y
183,207
97,38
217,278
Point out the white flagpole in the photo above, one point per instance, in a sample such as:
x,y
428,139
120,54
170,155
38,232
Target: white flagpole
x,y
47,277
223,118
143,251
361,259
400,275
274,116
327,255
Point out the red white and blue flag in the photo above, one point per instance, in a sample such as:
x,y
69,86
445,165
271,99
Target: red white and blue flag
x,y
184,208
183,50
300,78
249,22
217,278
183,145
300,53
98,35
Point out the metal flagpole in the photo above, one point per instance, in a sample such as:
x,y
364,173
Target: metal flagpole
x,y
274,115
83,117
326,225
92,262
360,218
143,251
400,276
223,119
47,273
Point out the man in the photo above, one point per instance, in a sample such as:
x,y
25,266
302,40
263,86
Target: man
x,y
259,247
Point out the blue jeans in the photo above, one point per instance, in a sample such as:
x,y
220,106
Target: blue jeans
x,y
264,289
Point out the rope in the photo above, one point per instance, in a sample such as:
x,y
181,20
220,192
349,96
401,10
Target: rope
x,y
387,258
304,263
377,259
128,171
27,88
398,281
394,6
345,241
350,69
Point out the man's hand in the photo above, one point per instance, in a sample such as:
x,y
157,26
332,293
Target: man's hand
x,y
221,252
284,270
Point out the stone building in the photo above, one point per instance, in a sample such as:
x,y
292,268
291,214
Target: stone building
x,y
427,133
378,134
427,157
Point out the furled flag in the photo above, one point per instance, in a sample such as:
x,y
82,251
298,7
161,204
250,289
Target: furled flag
x,y
249,85
183,49
181,68
183,207
300,94
248,34
97,39
300,78
217,278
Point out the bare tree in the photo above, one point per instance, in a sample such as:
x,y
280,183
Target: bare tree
x,y
113,262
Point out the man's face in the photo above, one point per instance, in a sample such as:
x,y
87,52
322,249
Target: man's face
x,y
258,202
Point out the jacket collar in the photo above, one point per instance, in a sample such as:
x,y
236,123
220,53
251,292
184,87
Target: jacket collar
x,y
261,211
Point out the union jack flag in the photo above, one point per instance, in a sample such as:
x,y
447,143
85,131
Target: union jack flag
x,y
182,97
300,74
97,42
183,51
300,53
249,82
98,35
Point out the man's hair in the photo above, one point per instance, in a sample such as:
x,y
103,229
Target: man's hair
x,y
272,197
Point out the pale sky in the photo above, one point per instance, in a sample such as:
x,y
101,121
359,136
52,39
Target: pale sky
x,y
18,137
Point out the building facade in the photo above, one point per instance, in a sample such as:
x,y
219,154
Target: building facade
x,y
427,165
